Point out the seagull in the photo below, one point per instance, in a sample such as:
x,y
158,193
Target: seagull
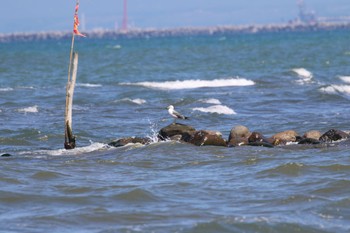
x,y
175,114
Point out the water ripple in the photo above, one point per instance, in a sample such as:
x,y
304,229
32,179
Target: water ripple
x,y
137,195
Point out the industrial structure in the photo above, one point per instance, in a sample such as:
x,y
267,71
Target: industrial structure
x,y
125,16
304,15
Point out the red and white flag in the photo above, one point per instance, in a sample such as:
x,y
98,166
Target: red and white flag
x,y
76,22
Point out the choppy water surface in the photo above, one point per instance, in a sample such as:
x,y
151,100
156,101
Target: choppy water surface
x,y
267,82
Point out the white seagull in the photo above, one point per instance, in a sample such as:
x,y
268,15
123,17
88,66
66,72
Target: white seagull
x,y
175,114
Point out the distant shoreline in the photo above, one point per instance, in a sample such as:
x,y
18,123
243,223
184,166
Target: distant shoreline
x,y
184,31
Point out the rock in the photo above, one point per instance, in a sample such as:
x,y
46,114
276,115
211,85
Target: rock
x,y
333,135
176,129
176,137
264,144
310,137
284,137
6,155
239,136
125,141
309,141
314,134
257,139
207,138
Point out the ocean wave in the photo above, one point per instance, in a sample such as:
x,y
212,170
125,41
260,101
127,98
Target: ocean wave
x,y
345,78
32,109
6,89
136,195
334,89
77,151
290,169
210,101
219,109
135,101
88,85
79,108
117,46
27,87
303,73
191,84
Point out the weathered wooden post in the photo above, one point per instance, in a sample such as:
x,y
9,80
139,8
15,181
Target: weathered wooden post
x,y
69,138
69,142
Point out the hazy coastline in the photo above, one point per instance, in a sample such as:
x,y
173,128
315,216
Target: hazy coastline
x,y
153,32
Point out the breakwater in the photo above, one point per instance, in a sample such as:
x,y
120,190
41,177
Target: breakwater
x,y
183,31
239,136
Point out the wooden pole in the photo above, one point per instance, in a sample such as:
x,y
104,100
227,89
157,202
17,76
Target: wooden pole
x,y
72,44
71,58
69,142
69,138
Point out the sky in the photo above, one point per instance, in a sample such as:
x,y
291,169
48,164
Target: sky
x,y
57,15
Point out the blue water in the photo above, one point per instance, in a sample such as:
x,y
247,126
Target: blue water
x,y
269,82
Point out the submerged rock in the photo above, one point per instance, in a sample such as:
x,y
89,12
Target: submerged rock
x,y
6,155
207,138
333,135
239,136
125,141
309,141
177,131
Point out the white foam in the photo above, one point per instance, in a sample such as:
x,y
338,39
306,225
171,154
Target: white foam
x,y
135,101
210,101
24,87
138,101
6,89
153,136
333,89
345,78
32,109
79,108
76,151
219,109
117,46
88,85
191,84
303,73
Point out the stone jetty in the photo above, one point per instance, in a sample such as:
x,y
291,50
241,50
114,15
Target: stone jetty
x,y
239,136
183,31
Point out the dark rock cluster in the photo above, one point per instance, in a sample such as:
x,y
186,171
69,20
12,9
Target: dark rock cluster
x,y
239,136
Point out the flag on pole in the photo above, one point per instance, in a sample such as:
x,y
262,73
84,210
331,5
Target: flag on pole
x,y
76,22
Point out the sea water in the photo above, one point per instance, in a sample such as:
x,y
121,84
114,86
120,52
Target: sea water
x,y
269,82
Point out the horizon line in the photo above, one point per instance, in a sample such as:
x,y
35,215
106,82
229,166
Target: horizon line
x,y
134,32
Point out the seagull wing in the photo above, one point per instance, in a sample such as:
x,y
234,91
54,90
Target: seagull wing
x,y
178,115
